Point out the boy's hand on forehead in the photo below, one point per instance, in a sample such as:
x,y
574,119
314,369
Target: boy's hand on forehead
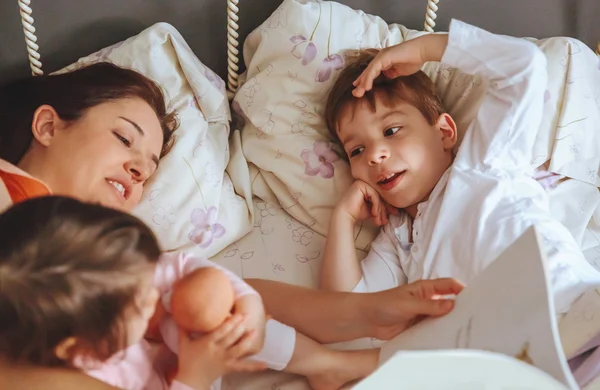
x,y
362,202
403,59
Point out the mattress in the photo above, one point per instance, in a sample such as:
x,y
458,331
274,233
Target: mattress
x,y
281,248
278,248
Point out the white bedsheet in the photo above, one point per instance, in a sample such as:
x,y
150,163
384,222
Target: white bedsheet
x,y
278,248
281,248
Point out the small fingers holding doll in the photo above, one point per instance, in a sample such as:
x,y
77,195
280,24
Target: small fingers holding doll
x,y
251,306
205,358
362,202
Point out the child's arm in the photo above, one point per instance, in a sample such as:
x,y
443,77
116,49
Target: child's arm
x,y
341,270
505,127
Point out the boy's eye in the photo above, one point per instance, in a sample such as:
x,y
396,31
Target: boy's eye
x,y
356,152
124,140
391,131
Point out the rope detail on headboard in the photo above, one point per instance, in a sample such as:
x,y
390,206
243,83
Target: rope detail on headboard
x,y
431,15
232,47
30,38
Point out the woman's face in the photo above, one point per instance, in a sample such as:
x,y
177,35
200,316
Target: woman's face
x,y
104,157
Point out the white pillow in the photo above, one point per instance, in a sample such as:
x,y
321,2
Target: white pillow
x,y
190,202
292,61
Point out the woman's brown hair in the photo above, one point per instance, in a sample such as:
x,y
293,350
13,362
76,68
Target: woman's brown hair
x,y
68,269
71,94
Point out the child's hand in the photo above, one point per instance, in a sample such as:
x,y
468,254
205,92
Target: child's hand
x,y
251,306
361,202
401,60
204,359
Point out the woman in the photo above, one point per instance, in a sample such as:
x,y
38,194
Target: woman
x,y
97,134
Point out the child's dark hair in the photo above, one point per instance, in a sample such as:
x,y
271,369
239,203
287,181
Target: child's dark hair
x,y
68,269
417,90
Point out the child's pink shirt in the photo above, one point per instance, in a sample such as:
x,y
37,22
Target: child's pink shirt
x,y
142,366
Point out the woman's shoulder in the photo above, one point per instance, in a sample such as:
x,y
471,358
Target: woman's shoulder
x,y
16,185
28,377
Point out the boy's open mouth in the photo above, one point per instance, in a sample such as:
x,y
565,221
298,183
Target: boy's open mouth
x,y
389,178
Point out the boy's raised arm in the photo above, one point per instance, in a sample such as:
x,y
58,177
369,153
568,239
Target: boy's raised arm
x,y
506,123
507,120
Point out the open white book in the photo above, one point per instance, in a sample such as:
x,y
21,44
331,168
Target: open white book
x,y
506,310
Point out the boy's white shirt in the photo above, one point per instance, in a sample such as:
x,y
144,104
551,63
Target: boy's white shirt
x,y
487,198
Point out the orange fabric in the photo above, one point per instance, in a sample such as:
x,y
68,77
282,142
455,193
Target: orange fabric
x,y
21,188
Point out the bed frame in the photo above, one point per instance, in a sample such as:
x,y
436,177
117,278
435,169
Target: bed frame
x,y
233,53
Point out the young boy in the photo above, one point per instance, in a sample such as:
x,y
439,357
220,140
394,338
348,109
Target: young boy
x,y
456,213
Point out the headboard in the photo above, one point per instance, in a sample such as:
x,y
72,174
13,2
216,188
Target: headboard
x,y
61,31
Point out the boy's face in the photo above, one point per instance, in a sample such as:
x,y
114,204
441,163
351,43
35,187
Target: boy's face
x,y
395,150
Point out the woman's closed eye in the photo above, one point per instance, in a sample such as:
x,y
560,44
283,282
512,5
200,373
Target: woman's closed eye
x,y
123,140
391,131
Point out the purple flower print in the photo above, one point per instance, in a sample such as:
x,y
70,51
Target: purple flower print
x,y
206,228
332,61
329,64
319,160
303,49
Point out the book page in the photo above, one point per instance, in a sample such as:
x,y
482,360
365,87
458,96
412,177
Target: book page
x,y
506,309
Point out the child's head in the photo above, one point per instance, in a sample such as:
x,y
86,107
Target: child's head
x,y
75,281
398,137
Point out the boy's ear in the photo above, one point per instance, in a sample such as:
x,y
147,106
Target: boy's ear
x,y
44,124
448,130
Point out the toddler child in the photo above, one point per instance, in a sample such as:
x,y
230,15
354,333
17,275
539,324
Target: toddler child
x,y
453,214
80,282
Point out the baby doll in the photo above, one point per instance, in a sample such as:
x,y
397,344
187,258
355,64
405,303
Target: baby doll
x,y
200,302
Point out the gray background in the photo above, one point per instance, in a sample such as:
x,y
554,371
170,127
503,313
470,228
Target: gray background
x,y
69,29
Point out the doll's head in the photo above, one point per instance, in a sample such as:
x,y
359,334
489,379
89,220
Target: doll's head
x,y
202,300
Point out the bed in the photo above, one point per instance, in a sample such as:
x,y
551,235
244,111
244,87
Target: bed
x,y
252,179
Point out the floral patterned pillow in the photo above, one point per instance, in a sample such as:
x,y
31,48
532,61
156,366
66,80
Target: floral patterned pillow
x,y
191,201
292,60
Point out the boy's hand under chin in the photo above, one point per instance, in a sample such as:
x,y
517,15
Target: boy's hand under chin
x,y
362,202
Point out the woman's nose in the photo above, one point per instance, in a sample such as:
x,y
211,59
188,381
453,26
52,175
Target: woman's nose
x,y
138,170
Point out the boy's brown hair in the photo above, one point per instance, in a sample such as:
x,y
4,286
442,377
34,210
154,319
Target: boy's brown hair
x,y
68,269
417,90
